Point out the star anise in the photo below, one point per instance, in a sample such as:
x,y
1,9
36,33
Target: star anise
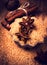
x,y
25,29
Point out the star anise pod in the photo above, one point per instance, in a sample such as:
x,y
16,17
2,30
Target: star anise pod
x,y
25,29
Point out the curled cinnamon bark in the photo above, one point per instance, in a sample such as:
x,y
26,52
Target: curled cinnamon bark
x,y
18,13
5,24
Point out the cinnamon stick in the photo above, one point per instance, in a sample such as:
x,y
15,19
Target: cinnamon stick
x,y
5,24
19,13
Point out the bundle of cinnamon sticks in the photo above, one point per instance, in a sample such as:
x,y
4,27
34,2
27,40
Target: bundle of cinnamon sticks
x,y
17,13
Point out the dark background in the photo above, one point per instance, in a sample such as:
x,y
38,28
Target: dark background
x,y
13,4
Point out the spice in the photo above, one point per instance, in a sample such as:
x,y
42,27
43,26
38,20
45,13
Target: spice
x,y
25,29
